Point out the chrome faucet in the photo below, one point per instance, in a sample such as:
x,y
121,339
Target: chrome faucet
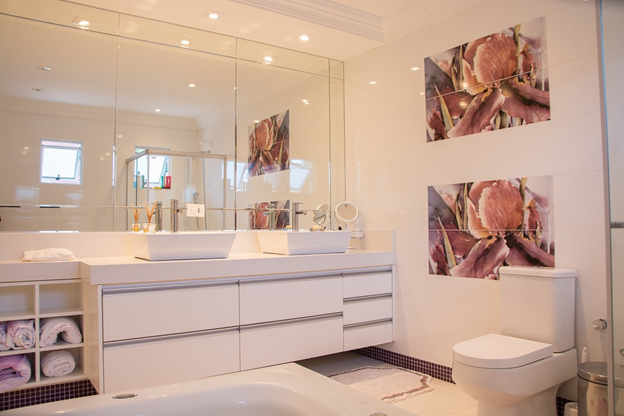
x,y
272,216
158,215
294,219
175,210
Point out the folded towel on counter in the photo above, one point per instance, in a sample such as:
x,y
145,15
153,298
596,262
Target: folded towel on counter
x,y
57,363
20,334
3,337
51,327
49,254
14,372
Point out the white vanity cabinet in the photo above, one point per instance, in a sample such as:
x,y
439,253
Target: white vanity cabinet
x,y
286,319
36,301
168,333
368,308
159,333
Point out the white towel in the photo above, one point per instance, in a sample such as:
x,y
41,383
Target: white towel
x,y
51,327
49,254
3,337
57,363
20,334
14,372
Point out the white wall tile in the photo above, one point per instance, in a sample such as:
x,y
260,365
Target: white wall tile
x,y
577,143
579,201
574,87
571,32
614,68
584,251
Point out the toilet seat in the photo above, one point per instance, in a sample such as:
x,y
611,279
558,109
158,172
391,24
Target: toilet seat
x,y
500,351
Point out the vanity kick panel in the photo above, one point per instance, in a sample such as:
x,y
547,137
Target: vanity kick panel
x,y
276,300
149,313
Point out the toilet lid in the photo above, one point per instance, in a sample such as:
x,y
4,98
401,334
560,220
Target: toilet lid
x,y
500,351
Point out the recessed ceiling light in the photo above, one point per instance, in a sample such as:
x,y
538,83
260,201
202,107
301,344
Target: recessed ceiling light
x,y
268,58
37,89
415,68
158,110
191,85
214,16
373,82
44,68
304,37
185,42
81,22
305,102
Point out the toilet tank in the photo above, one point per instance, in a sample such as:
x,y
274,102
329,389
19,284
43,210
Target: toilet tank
x,y
537,303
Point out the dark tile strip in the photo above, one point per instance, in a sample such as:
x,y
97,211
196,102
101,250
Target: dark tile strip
x,y
45,394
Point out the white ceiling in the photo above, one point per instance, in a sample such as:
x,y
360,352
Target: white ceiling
x,y
340,29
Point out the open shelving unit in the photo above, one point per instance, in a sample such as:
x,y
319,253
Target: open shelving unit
x,y
37,301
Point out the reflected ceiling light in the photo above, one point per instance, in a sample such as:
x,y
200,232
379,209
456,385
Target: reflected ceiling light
x,y
213,15
81,22
44,68
158,110
26,148
305,102
373,82
415,68
191,85
37,89
304,37
256,121
422,93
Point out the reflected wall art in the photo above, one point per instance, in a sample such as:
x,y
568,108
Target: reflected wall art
x,y
494,82
476,227
269,145
259,218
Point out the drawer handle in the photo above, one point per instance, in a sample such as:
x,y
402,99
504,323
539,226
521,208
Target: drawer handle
x,y
368,297
148,340
326,316
157,288
368,323
371,270
290,278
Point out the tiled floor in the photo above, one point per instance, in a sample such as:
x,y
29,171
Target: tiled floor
x,y
446,399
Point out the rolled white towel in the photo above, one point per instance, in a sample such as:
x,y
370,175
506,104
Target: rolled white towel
x,y
57,363
20,334
3,337
49,254
51,327
14,372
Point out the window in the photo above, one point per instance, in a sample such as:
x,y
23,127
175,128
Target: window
x,y
61,162
159,166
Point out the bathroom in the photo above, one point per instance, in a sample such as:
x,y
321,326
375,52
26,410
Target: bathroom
x,y
389,165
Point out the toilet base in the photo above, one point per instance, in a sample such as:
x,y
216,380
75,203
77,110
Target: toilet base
x,y
543,404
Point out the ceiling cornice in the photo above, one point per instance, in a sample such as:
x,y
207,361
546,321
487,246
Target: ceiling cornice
x,y
326,13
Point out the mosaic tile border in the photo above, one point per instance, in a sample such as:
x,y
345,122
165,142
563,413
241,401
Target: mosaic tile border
x,y
45,394
438,371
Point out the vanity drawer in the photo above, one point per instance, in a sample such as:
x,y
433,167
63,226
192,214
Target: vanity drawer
x,y
276,300
165,360
366,284
145,311
269,344
367,309
375,333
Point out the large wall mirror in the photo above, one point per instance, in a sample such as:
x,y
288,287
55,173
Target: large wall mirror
x,y
97,123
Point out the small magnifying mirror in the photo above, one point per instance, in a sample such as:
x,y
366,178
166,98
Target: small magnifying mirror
x,y
346,213
320,214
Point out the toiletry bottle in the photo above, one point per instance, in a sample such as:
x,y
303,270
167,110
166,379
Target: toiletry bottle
x,y
168,182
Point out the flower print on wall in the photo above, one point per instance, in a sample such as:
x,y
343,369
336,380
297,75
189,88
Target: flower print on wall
x,y
474,228
495,82
259,218
269,145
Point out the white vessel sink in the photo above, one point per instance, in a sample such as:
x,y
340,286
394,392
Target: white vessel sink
x,y
303,242
182,245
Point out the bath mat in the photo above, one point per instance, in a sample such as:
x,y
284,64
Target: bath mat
x,y
388,383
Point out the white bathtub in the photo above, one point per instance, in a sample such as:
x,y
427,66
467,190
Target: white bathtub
x,y
283,390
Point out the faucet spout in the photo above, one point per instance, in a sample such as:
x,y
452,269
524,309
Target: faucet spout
x,y
294,215
175,210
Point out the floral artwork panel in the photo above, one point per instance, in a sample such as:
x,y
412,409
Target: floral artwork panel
x,y
494,82
269,145
259,218
477,227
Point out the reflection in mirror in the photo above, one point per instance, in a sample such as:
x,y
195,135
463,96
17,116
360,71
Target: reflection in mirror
x,y
320,214
126,83
54,87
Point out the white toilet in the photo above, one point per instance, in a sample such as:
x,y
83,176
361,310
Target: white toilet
x,y
518,373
